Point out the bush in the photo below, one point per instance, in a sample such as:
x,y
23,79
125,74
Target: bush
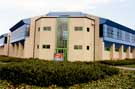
x,y
119,62
45,73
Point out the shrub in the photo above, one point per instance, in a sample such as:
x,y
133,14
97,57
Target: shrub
x,y
45,73
119,62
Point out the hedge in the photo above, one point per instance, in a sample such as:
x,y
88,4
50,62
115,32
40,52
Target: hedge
x,y
45,73
119,62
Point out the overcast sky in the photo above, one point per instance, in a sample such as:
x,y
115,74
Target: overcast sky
x,y
12,11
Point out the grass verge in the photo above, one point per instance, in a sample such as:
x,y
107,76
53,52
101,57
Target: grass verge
x,y
118,62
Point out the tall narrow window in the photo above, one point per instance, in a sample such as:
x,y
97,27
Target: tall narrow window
x,y
110,32
38,28
127,37
37,46
119,34
62,33
88,47
88,29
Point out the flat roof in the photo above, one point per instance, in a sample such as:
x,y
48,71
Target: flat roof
x,y
66,14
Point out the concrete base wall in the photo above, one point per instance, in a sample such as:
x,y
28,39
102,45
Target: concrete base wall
x,y
116,55
16,50
4,50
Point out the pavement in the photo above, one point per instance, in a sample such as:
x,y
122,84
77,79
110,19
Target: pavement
x,y
125,68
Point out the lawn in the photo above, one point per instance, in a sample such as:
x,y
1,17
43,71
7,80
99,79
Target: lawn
x,y
132,66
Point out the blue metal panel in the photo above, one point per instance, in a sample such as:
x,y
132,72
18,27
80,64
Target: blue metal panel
x,y
19,24
114,38
67,14
2,41
19,34
116,25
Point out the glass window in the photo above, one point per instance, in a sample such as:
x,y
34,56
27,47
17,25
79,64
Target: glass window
x,y
62,32
107,46
19,34
48,28
38,28
46,46
78,28
107,49
133,38
110,32
77,47
125,50
37,46
127,37
88,47
116,49
88,29
119,34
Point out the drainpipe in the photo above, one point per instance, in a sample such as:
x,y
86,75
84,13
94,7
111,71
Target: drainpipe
x,y
34,40
94,56
8,39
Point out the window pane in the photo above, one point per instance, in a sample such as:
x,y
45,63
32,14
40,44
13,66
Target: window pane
x,y
88,29
46,46
47,28
88,47
78,28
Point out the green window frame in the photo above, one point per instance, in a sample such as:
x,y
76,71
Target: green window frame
x,y
47,28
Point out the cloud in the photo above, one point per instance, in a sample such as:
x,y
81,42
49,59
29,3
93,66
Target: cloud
x,y
103,2
36,5
100,1
14,10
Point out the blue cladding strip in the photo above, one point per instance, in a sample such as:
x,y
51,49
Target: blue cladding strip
x,y
116,33
2,41
19,24
19,34
116,25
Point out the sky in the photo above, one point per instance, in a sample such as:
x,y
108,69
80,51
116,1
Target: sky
x,y
12,11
